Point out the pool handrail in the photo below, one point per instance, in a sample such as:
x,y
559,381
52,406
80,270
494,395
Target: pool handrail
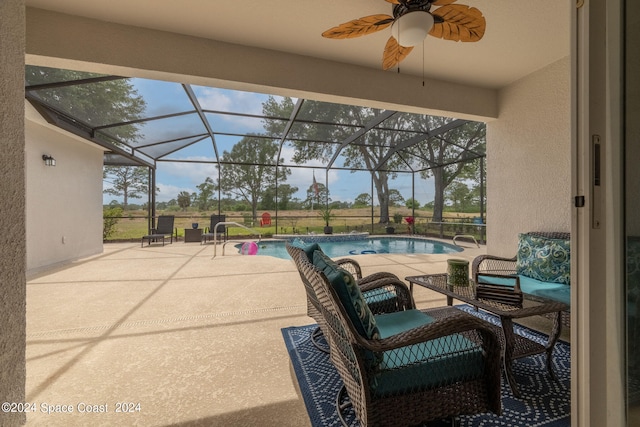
x,y
468,236
215,235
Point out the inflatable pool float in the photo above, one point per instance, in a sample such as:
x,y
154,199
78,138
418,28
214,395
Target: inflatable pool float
x,y
249,248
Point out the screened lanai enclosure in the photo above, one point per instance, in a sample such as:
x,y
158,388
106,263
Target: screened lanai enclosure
x,y
304,163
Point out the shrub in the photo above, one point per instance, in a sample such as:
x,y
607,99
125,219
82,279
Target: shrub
x,y
110,218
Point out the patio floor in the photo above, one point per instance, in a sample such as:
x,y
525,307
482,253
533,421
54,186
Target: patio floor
x,y
192,340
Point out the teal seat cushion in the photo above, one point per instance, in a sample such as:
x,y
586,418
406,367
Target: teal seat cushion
x,y
555,291
497,280
424,365
393,323
544,259
349,294
428,365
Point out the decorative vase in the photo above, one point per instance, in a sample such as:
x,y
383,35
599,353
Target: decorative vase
x,y
457,272
390,230
328,229
194,225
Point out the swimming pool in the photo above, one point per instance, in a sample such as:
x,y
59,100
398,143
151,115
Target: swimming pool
x,y
370,245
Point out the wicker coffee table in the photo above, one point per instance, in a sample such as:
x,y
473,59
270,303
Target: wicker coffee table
x,y
513,346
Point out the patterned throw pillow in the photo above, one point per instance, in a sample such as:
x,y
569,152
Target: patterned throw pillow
x,y
544,259
349,294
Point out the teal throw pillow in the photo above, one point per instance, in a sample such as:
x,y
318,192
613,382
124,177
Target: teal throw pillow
x,y
324,263
544,259
349,294
308,248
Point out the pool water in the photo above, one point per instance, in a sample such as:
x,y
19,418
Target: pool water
x,y
377,245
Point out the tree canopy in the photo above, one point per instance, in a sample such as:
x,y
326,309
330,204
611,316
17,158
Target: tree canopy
x,y
446,156
204,199
184,200
130,182
97,103
249,170
367,153
285,195
363,200
439,146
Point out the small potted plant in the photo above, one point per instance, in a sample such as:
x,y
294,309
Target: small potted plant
x,y
327,215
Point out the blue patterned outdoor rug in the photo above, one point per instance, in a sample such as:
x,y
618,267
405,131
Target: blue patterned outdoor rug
x,y
544,402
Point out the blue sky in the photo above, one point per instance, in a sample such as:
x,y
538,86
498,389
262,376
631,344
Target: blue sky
x,y
174,177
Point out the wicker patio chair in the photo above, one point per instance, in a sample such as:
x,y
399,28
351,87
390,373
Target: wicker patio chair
x,y
164,228
445,367
381,299
493,265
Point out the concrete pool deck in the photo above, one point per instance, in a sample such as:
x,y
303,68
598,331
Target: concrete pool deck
x,y
194,340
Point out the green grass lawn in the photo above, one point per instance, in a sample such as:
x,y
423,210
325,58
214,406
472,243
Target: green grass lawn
x,y
296,222
135,228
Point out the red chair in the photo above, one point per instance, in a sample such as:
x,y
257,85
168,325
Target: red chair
x,y
266,219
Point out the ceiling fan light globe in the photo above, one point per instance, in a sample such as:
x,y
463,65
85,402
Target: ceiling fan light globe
x,y
411,28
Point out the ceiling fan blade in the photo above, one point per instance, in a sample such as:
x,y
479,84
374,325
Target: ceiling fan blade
x,y
394,53
359,27
460,23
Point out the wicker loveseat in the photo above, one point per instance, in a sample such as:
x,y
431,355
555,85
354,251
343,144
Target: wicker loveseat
x,y
540,268
401,366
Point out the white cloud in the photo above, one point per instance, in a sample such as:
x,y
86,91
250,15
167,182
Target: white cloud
x,y
188,173
237,102
168,192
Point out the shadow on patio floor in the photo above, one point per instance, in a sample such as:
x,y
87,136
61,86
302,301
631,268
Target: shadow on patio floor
x,y
193,341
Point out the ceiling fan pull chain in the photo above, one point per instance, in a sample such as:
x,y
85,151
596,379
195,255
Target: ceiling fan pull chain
x,y
399,46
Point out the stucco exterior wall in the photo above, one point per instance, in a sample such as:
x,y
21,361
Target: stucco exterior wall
x,y
529,159
12,210
64,203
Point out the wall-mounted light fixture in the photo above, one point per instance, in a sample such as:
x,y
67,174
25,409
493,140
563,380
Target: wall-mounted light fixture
x,y
48,160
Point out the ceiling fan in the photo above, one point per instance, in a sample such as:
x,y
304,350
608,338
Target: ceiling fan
x,y
412,20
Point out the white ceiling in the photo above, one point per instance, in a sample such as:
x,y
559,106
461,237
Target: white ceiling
x,y
521,37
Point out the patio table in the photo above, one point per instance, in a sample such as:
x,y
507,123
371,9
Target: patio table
x,y
513,346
